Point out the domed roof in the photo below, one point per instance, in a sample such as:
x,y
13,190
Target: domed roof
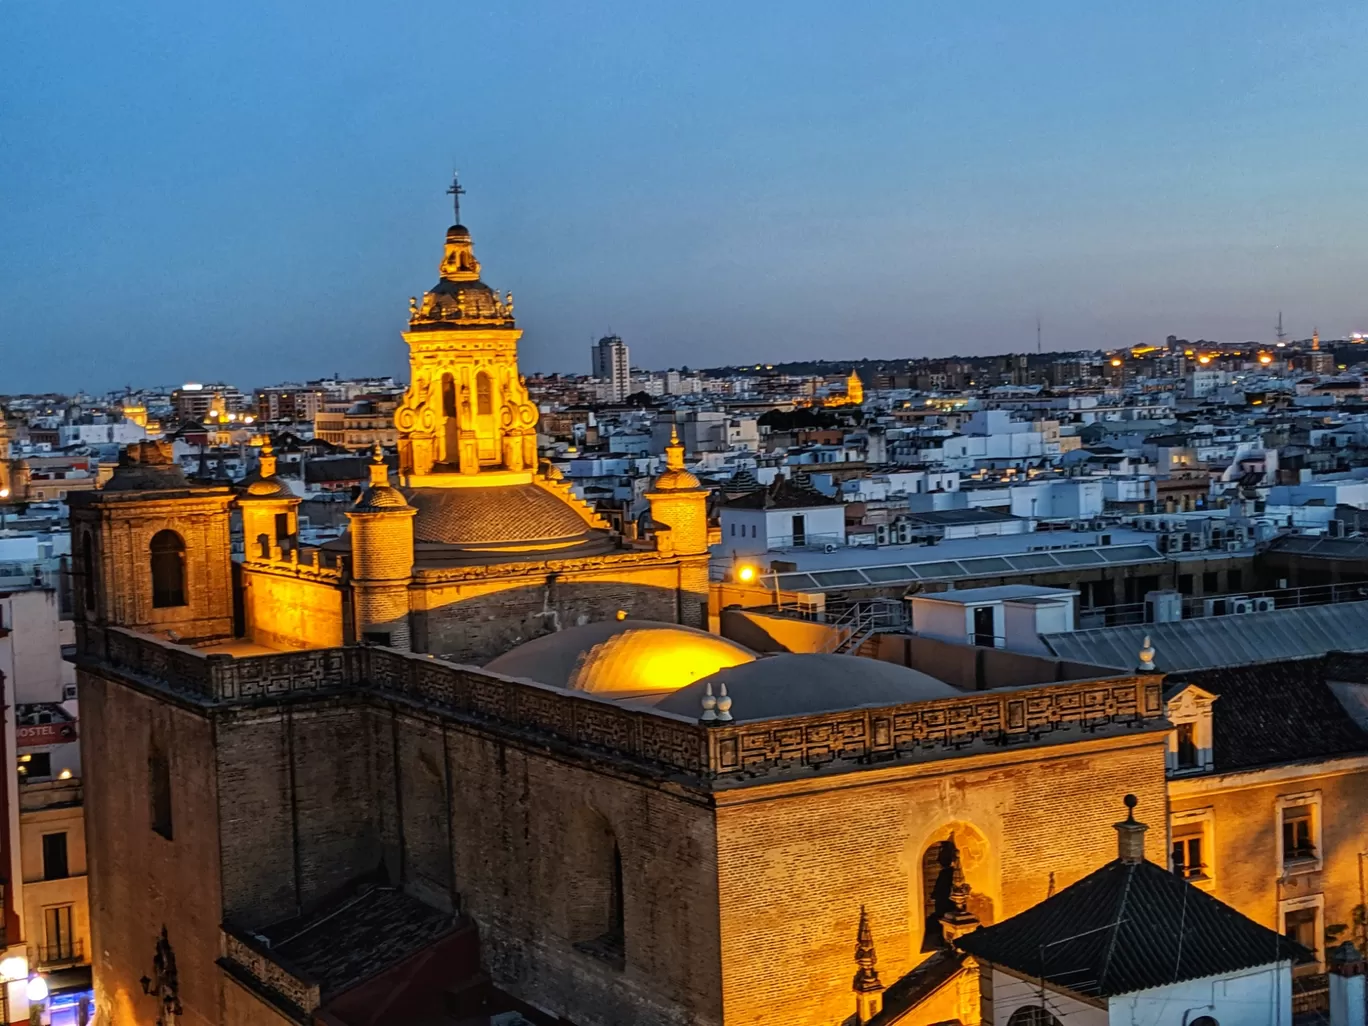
x,y
623,658
675,478
796,684
378,499
499,516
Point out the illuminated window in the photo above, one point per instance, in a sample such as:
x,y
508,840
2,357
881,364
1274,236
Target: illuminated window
x,y
484,402
168,569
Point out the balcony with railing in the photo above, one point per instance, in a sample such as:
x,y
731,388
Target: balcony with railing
x,y
54,956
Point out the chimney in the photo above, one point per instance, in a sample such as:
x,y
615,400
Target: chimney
x,y
1346,985
1130,835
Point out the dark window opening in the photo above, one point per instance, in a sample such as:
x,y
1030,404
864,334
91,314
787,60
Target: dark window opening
x,y
35,765
376,638
484,400
1185,584
55,856
88,569
1300,925
448,396
58,945
1297,843
1187,745
799,530
264,544
983,626
159,791
168,569
282,531
1234,580
1187,857
1210,583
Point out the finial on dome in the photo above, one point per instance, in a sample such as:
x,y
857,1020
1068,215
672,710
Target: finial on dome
x,y
456,191
709,704
1130,834
674,452
379,471
267,465
1147,656
724,703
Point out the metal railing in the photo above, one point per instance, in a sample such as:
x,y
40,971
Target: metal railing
x,y
1194,606
65,953
863,619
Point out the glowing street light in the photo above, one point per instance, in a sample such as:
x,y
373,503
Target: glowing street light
x,y
745,573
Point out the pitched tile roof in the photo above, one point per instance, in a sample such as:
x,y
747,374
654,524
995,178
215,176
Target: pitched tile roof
x,y
782,494
1275,713
1128,927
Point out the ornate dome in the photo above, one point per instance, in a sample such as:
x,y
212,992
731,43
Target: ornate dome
x,y
263,483
675,478
796,684
460,298
622,658
495,517
379,495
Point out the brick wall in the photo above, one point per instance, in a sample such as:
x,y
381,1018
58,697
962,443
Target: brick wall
x,y
1244,843
286,610
528,872
139,880
796,862
473,622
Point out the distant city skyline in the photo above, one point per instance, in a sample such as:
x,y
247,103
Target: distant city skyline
x,y
248,193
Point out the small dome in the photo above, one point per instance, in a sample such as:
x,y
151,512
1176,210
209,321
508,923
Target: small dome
x,y
676,481
502,516
458,231
379,498
622,658
267,488
796,684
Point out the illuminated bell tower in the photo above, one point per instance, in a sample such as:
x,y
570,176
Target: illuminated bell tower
x,y
466,413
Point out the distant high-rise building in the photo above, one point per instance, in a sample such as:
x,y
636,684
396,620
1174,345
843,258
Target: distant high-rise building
x,y
612,365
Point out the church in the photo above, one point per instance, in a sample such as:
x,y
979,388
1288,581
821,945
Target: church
x,y
479,762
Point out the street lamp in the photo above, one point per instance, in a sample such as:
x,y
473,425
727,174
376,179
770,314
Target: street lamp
x,y
36,992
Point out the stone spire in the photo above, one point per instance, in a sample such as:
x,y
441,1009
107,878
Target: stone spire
x,y
959,920
867,986
1130,835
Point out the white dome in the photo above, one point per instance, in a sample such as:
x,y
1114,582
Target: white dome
x,y
796,684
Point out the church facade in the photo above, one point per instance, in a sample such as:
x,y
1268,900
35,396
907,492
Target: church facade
x,y
476,547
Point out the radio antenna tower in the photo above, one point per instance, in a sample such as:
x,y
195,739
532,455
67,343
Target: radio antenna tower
x,y
1282,335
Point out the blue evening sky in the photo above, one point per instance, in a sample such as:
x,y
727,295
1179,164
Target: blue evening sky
x,y
251,190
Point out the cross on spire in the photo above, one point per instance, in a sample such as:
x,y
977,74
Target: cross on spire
x,y
456,192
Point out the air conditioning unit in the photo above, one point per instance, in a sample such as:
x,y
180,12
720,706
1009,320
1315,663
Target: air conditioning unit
x,y
1233,546
1265,605
829,547
1243,605
1163,607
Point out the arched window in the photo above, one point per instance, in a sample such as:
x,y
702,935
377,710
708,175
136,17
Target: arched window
x,y
484,400
1033,1015
88,569
599,918
264,545
1204,1020
448,396
168,569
